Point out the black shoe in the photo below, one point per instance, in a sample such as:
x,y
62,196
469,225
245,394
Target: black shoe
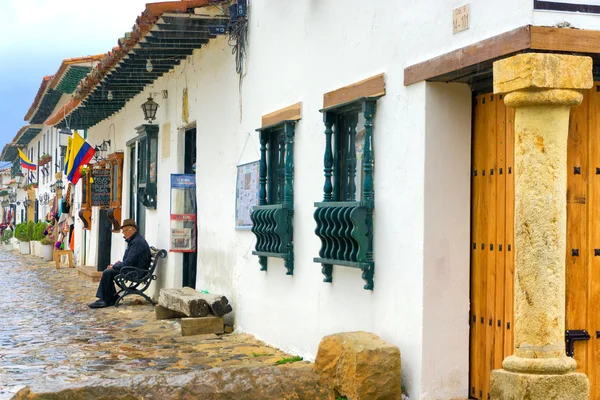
x,y
98,304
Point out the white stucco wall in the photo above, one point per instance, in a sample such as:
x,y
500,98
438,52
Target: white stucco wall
x,y
297,51
446,267
209,76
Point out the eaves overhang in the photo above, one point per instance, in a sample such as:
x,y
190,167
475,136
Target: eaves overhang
x,y
164,33
21,140
66,79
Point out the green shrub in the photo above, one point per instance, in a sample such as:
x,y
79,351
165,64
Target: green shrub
x,y
6,236
38,231
21,232
30,229
47,240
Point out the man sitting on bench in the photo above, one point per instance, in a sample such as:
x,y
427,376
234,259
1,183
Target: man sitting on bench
x,y
136,255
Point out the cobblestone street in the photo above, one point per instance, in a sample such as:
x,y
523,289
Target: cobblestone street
x,y
50,338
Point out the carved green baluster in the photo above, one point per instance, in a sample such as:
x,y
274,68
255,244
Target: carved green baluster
x,y
262,193
368,194
280,168
327,271
288,198
351,158
328,118
368,112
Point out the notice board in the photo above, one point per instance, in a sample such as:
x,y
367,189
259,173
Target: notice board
x,y
247,187
100,187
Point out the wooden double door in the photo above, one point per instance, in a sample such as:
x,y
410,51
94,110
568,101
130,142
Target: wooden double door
x,y
492,232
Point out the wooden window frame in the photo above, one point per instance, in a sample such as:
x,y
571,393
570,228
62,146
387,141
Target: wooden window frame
x,y
115,161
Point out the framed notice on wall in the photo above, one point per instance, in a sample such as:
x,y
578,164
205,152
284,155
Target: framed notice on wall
x,y
246,194
582,6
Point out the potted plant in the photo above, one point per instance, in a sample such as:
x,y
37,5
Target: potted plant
x,y
38,235
6,236
44,159
47,248
23,236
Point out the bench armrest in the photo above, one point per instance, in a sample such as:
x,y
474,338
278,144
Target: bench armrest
x,y
133,274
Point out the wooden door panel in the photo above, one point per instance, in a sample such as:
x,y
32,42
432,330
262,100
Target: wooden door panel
x,y
476,239
593,202
576,266
490,238
500,232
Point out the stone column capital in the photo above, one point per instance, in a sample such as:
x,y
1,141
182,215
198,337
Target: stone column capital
x,y
541,72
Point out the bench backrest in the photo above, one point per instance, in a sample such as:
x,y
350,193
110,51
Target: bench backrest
x,y
155,256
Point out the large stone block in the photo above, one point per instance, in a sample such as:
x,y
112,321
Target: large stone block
x,y
542,71
360,366
516,386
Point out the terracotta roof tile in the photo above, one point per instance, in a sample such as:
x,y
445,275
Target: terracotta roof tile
x,y
45,81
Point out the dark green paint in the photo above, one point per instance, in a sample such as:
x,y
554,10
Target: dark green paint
x,y
148,156
344,225
272,219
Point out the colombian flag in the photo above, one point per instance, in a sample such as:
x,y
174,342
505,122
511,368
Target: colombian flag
x,y
81,153
25,163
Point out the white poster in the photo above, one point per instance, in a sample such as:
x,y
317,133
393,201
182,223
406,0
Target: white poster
x,y
247,187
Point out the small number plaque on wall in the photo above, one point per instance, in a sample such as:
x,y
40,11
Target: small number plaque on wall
x,y
460,19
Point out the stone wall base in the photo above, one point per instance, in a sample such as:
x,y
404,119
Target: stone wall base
x,y
516,386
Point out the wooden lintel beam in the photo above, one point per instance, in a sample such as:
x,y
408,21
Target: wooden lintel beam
x,y
370,87
525,38
495,47
291,113
565,39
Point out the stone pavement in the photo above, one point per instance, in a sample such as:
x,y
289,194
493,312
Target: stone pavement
x,y
52,342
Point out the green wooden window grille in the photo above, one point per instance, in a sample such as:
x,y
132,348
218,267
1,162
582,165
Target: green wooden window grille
x,y
345,216
148,165
272,218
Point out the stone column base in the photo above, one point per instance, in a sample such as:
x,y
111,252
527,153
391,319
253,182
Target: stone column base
x,y
508,385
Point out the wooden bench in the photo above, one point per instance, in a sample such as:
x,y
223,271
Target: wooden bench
x,y
133,280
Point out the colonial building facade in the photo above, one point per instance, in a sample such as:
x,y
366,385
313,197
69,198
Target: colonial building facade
x,y
353,170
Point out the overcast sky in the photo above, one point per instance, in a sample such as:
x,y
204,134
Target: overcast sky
x,y
36,35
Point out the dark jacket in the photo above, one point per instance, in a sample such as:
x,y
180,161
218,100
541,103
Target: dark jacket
x,y
137,253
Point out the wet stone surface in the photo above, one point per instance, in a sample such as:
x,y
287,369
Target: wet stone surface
x,y
49,335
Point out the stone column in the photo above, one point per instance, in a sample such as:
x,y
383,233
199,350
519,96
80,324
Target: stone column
x,y
542,88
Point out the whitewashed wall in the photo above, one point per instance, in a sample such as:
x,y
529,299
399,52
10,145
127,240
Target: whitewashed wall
x,y
446,267
211,82
297,51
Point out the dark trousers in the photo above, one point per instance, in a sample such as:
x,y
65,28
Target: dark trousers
x,y
106,289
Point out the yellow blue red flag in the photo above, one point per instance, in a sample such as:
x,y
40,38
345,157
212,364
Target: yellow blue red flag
x,y
25,163
81,153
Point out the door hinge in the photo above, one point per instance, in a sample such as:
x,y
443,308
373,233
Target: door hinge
x,y
571,336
